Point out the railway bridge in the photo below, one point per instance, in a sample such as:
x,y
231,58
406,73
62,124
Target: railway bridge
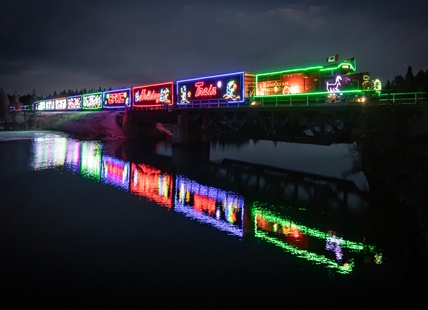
x,y
301,120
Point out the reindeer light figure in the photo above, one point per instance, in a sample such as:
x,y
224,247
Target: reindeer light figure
x,y
334,87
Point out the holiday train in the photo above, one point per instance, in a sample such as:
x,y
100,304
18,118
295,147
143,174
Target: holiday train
x,y
331,83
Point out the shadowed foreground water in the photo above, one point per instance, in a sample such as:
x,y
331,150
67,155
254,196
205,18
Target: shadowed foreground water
x,y
69,237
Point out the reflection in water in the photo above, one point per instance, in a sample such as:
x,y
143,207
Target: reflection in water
x,y
48,151
91,160
305,242
224,210
219,208
115,172
72,160
152,184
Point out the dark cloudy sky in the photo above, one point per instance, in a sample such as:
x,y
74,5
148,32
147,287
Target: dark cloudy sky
x,y
55,45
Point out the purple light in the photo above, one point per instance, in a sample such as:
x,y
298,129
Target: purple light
x,y
228,203
333,244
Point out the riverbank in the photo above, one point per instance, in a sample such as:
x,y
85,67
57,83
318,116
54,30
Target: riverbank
x,y
102,125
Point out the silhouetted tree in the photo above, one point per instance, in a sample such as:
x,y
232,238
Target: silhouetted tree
x,y
4,105
26,99
409,83
419,81
398,83
387,85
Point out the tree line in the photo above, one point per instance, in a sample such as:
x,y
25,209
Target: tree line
x,y
408,83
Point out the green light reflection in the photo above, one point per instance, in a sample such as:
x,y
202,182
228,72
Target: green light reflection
x,y
259,210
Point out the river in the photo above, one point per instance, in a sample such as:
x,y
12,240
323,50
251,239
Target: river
x,y
223,223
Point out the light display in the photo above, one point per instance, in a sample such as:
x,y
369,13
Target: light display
x,y
48,152
229,88
39,106
50,104
115,172
152,183
316,80
92,101
90,166
72,158
74,102
155,95
117,98
334,87
377,85
60,104
333,244
45,105
221,209
281,231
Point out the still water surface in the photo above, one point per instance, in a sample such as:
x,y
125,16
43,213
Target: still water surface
x,y
121,221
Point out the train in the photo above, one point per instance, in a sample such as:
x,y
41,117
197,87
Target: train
x,y
334,82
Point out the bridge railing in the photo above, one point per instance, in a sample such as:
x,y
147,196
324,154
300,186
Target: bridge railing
x,y
298,100
404,98
212,103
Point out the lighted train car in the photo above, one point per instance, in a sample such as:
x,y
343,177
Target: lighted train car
x,y
329,83
230,88
92,101
60,104
117,98
44,105
153,96
74,102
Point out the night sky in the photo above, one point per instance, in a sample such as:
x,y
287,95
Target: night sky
x,y
56,45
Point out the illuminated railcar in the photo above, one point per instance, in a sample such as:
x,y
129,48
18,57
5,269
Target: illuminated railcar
x,y
92,101
44,105
74,102
223,89
153,96
116,98
331,83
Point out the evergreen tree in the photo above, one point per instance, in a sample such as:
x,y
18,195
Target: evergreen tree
x,y
387,85
409,84
398,83
4,105
419,81
34,94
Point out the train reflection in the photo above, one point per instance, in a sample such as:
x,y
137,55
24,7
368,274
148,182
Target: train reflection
x,y
225,210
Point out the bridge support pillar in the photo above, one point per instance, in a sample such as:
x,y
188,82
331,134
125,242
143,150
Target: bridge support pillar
x,y
180,135
185,132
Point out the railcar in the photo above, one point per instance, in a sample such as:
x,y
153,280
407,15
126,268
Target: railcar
x,y
153,96
117,98
331,83
224,89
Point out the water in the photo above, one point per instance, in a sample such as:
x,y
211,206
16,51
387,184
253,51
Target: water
x,y
225,223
